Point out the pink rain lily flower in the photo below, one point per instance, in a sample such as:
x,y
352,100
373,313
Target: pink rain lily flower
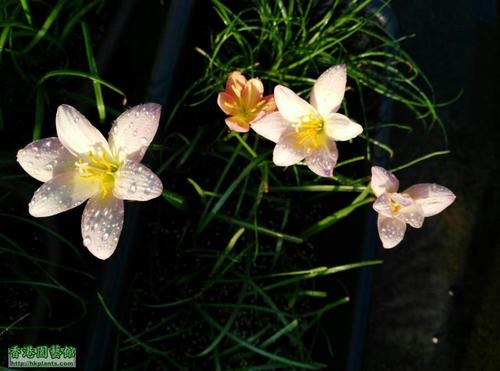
x,y
244,102
303,130
79,165
411,206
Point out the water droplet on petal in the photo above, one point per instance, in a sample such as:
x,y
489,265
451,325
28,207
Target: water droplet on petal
x,y
86,241
49,167
30,164
96,214
147,191
37,155
131,124
133,188
144,140
105,236
134,133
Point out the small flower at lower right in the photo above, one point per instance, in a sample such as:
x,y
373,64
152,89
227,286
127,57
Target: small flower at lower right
x,y
411,206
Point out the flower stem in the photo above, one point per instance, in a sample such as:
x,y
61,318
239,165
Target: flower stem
x,y
245,144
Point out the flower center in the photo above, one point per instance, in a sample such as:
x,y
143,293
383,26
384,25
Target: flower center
x,y
395,206
100,169
309,131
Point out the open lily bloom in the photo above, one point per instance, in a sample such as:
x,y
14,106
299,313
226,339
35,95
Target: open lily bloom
x,y
303,130
411,206
244,102
79,165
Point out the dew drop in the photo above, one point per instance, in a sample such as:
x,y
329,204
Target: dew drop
x,y
133,188
36,171
48,144
131,124
30,164
144,140
105,236
37,155
147,191
86,241
96,214
86,227
48,167
134,133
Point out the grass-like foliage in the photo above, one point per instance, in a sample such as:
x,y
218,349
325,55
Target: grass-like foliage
x,y
236,264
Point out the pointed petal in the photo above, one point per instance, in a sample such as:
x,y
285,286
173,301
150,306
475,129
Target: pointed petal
x,y
412,215
287,152
290,105
45,158
383,181
134,130
328,90
77,134
102,223
433,198
227,103
134,181
391,231
323,160
340,127
271,126
382,205
63,192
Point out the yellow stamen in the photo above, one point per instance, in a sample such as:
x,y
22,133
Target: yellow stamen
x,y
394,205
100,169
310,132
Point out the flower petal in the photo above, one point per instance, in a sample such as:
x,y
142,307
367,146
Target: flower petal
x,y
252,93
328,90
323,160
235,83
412,215
271,126
270,104
287,152
382,205
383,181
63,192
45,158
134,130
290,105
134,181
227,103
340,127
77,134
238,124
102,223
433,198
391,231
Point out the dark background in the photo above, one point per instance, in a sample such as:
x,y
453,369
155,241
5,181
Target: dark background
x,y
436,298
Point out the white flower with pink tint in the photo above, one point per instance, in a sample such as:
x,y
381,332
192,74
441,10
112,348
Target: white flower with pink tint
x,y
411,206
308,130
80,164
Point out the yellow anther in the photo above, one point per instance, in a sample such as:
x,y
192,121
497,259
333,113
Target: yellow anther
x,y
310,131
394,205
100,169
